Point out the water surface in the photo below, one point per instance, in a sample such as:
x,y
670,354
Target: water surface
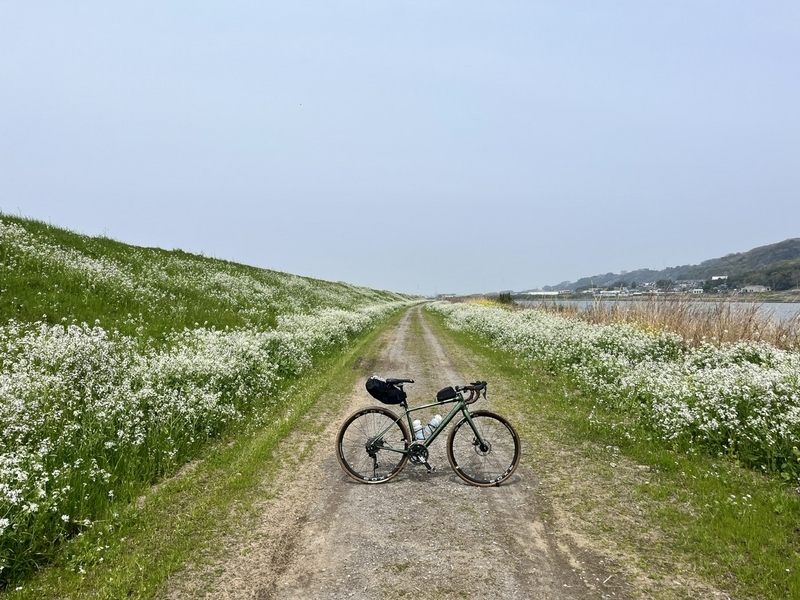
x,y
777,310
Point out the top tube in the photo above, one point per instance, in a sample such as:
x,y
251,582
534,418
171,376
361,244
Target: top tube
x,y
460,406
424,406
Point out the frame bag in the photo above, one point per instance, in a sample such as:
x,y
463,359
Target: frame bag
x,y
447,393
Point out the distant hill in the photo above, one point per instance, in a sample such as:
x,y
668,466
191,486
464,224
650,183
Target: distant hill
x,y
774,265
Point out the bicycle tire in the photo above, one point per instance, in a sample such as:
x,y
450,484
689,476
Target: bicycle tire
x,y
359,449
488,466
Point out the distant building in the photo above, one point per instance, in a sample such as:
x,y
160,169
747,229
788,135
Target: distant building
x,y
541,294
718,277
697,291
754,289
684,285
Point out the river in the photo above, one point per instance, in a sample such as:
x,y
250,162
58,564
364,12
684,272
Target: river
x,y
777,310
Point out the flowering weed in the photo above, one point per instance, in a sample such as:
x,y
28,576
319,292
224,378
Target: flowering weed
x,y
89,413
740,399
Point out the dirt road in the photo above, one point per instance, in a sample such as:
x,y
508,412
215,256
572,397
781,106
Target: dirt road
x,y
420,535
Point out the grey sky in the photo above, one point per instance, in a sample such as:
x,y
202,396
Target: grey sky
x,y
412,146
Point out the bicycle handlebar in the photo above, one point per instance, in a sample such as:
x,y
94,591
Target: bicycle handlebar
x,y
475,388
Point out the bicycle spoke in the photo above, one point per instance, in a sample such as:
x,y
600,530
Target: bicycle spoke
x,y
363,445
484,466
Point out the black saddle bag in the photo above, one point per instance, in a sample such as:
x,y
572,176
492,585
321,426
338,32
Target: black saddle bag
x,y
386,392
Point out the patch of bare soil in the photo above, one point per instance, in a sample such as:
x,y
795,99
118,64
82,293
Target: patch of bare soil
x,y
323,535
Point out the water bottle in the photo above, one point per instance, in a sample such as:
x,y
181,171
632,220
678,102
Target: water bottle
x,y
418,434
431,427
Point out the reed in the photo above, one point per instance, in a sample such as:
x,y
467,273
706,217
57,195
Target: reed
x,y
697,322
738,399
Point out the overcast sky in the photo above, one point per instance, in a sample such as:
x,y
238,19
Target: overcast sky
x,y
421,147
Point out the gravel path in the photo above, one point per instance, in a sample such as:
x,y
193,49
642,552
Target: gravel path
x,y
420,535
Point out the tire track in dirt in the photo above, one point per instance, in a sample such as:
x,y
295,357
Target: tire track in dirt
x,y
324,535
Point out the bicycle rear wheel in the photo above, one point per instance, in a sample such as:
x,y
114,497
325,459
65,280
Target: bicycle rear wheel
x,y
491,464
371,445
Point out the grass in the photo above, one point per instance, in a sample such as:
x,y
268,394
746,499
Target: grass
x,y
187,518
178,350
739,399
670,512
57,276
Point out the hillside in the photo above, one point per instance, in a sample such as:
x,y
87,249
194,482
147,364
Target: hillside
x,y
119,363
774,265
57,276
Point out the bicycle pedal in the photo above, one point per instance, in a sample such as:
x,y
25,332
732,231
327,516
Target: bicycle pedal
x,y
430,468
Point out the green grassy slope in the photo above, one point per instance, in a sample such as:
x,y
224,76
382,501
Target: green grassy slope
x,y
53,275
119,363
187,518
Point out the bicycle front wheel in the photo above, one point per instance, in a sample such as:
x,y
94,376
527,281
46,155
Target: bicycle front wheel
x,y
488,464
371,445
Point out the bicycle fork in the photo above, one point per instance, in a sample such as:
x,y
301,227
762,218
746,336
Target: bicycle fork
x,y
482,446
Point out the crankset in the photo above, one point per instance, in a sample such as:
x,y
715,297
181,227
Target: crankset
x,y
418,455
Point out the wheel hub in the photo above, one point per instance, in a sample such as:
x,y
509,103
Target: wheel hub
x,y
373,445
482,450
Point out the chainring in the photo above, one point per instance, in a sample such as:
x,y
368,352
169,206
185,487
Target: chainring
x,y
418,453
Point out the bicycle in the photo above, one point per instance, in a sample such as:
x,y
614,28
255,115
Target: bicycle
x,y
374,444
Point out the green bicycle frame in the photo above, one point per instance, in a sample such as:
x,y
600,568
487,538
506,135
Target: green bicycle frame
x,y
460,407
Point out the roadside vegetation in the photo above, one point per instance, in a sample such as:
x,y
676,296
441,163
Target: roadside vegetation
x,y
670,510
118,364
187,519
738,400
